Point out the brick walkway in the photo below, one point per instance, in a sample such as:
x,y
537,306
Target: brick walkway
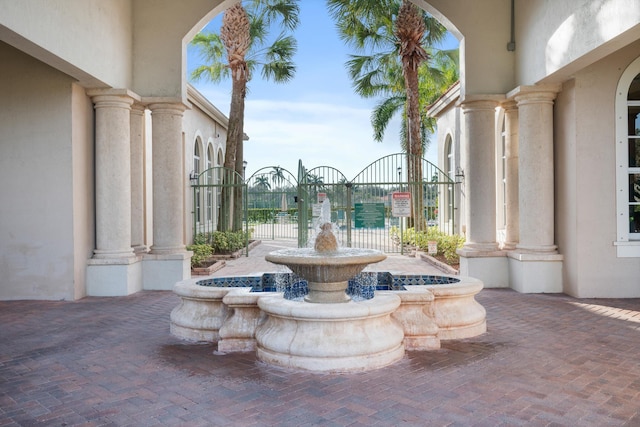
x,y
546,360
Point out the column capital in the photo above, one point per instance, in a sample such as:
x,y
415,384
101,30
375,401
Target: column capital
x,y
165,104
109,94
480,102
544,93
509,105
138,108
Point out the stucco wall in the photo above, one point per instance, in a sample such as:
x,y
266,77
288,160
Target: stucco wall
x,y
36,209
449,125
90,40
83,186
197,123
561,37
566,226
483,28
585,174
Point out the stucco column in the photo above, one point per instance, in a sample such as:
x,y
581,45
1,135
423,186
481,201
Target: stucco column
x,y
479,171
113,174
512,231
137,178
535,168
168,178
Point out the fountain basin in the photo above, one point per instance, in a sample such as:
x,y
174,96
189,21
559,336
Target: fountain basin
x,y
200,313
338,337
224,310
327,273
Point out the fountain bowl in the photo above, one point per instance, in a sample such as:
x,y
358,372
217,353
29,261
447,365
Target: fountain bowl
x,y
327,272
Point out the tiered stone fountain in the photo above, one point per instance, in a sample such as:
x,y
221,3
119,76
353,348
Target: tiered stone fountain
x,y
327,331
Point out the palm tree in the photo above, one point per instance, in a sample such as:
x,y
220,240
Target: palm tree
x,y
401,69
262,182
315,182
277,175
244,37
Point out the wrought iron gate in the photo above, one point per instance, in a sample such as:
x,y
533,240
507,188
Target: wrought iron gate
x,y
279,205
207,192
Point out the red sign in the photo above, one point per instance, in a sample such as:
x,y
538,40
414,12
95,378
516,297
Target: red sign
x,y
401,204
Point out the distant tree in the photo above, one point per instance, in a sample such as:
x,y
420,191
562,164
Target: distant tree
x,y
277,175
399,64
262,182
315,182
244,38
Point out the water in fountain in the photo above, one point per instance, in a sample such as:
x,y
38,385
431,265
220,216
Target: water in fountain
x,y
325,237
363,286
291,285
326,267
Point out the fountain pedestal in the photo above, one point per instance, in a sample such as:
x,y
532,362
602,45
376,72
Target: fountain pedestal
x,y
327,273
332,337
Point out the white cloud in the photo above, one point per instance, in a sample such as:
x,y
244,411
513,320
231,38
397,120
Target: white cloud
x,y
282,132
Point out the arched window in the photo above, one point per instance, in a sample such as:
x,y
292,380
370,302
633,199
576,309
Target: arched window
x,y
196,169
451,172
501,194
628,161
209,196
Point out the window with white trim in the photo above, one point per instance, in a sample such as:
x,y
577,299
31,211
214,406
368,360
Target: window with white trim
x,y
451,172
628,161
196,170
209,197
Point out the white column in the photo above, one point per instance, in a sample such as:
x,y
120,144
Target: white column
x,y
535,169
168,177
137,178
512,231
480,173
480,256
114,269
113,176
535,264
168,262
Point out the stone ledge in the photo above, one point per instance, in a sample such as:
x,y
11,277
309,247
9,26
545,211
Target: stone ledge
x,y
236,254
471,253
540,256
206,271
445,268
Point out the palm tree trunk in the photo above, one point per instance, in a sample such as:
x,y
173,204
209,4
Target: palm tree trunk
x,y
414,175
230,201
238,203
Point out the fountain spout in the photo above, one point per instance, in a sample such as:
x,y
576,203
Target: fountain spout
x,y
326,240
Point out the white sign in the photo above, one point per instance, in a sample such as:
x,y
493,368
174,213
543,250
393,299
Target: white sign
x,y
432,246
316,210
401,204
321,197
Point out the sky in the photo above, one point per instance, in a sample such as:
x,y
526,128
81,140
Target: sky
x,y
315,117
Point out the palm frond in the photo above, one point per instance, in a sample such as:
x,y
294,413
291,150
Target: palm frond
x,y
383,113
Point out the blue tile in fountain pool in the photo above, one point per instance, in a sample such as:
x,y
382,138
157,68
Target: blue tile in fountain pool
x,y
231,282
362,286
413,280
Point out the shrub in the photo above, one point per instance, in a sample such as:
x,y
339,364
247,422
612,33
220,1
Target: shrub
x,y
200,253
447,244
227,241
202,239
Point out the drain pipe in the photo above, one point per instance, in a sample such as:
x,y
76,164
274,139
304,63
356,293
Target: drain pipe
x,y
511,46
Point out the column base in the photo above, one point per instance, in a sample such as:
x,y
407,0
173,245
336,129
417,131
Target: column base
x,y
140,249
490,267
110,277
162,272
535,272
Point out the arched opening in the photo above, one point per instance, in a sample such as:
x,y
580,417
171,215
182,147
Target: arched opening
x,y
197,168
628,161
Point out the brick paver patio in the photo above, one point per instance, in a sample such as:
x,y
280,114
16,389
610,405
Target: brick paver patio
x,y
545,360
